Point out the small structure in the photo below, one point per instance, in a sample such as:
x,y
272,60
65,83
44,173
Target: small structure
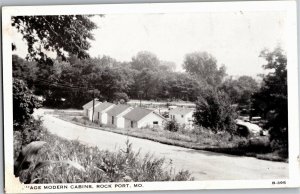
x,y
115,115
101,112
88,108
140,117
182,115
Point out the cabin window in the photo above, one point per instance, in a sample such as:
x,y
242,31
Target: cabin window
x,y
155,122
131,124
112,120
181,116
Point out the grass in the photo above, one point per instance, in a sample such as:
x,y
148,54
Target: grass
x,y
198,138
64,161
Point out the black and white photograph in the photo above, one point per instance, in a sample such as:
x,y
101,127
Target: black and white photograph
x,y
178,95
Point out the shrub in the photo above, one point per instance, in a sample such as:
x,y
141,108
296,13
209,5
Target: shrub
x,y
24,103
214,111
171,126
89,164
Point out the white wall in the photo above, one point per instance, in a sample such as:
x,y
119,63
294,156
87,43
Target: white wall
x,y
149,119
120,122
104,118
128,124
85,112
182,120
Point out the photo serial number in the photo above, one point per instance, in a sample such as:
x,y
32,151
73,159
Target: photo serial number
x,y
278,182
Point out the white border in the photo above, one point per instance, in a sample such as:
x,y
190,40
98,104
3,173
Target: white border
x,y
12,185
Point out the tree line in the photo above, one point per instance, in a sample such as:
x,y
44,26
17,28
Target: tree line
x,y
73,78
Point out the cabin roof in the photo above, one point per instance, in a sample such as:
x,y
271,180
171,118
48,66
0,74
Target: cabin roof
x,y
181,111
118,109
90,104
103,106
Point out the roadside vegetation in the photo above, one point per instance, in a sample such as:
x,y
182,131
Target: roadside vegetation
x,y
199,138
53,159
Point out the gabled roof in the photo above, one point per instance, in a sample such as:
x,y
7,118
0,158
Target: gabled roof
x,y
118,109
103,106
137,114
181,111
90,104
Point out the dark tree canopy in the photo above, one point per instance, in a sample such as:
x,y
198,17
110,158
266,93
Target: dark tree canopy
x,y
271,100
240,90
62,34
214,111
24,103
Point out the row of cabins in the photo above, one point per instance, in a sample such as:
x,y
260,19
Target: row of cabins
x,y
122,116
125,116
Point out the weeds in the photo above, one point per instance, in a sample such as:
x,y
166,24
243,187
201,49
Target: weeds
x,y
63,161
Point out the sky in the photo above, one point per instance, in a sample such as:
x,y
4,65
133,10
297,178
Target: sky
x,y
235,39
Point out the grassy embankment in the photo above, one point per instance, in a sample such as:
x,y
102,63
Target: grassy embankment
x,y
64,161
199,138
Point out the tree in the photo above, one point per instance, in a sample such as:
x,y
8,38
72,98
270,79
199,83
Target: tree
x,y
214,111
24,70
240,90
171,125
62,34
145,60
24,103
203,66
271,100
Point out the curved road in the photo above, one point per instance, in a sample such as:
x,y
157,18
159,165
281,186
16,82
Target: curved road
x,y
203,165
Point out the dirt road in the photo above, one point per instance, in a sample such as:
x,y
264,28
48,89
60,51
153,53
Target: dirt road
x,y
203,165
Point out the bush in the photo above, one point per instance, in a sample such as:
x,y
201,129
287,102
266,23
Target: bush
x,y
24,103
214,111
64,161
171,126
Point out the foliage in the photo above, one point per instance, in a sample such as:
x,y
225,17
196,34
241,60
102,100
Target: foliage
x,y
24,70
240,90
24,103
203,66
214,111
62,161
61,34
271,100
171,125
145,60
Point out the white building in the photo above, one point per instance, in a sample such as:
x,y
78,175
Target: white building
x,y
140,117
101,112
115,115
88,108
182,115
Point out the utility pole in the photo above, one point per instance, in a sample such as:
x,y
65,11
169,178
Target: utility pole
x,y
93,105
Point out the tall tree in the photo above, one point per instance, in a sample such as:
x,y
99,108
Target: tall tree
x,y
145,60
271,100
204,67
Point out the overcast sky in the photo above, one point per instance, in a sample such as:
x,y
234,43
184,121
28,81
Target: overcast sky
x,y
234,38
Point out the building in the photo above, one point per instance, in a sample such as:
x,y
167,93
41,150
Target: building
x,y
140,117
88,108
101,112
115,115
182,115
